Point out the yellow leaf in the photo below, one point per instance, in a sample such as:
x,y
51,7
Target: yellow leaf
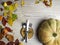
x,y
16,5
22,2
5,13
11,7
10,21
21,43
36,2
5,4
10,13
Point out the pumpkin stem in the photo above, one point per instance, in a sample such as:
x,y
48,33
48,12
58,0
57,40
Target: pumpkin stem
x,y
54,34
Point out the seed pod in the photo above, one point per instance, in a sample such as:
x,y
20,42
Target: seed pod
x,y
10,43
2,43
4,21
16,42
8,29
9,2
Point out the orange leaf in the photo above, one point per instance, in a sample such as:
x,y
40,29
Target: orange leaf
x,y
1,17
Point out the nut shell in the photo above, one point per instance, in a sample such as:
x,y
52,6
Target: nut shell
x,y
10,37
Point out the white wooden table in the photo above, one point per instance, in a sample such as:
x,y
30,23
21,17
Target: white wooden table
x,y
35,13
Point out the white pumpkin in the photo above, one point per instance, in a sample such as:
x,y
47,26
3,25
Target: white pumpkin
x,y
49,32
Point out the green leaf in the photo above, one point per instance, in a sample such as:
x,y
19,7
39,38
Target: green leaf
x,y
14,17
0,27
6,8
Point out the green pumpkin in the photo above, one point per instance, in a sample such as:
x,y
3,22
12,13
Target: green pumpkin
x,y
49,32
